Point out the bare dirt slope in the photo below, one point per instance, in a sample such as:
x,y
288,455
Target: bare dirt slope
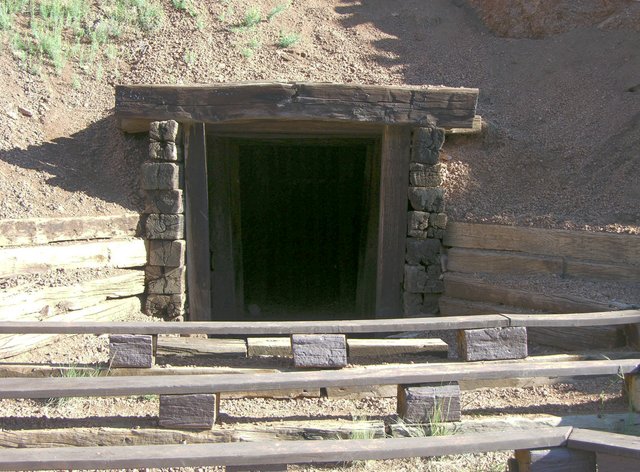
x,y
559,82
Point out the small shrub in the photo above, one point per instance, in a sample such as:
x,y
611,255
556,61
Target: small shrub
x,y
189,57
286,40
281,7
252,17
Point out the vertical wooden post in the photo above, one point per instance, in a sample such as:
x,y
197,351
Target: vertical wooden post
x,y
197,223
392,229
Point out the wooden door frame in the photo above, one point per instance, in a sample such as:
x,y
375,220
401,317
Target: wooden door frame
x,y
391,194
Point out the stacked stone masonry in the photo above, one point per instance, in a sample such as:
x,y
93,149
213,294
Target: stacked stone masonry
x,y
162,179
426,224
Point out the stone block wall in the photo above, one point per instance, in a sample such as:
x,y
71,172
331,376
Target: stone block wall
x,y
426,224
162,179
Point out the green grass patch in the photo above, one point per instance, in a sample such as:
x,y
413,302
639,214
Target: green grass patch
x,y
252,17
278,9
286,40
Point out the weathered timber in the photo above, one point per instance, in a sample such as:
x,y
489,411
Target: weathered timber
x,y
257,468
118,253
200,346
601,271
392,219
429,403
601,318
261,328
557,459
31,231
274,452
196,411
166,280
490,344
450,306
167,253
406,374
135,351
501,262
197,223
319,350
164,201
161,176
438,106
605,443
13,344
580,245
164,131
164,151
55,300
468,288
369,391
394,347
280,347
168,227
241,432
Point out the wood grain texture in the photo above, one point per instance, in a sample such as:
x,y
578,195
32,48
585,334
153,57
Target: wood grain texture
x,y
606,443
580,245
120,253
394,375
557,459
440,106
205,347
32,231
614,463
47,302
275,452
500,262
261,328
13,344
241,432
197,223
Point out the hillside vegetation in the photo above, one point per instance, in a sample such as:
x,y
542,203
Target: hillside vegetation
x,y
559,91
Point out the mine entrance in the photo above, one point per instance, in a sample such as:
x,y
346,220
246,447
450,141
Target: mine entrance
x,y
293,227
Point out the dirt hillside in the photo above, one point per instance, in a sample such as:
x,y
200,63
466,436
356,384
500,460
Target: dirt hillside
x,y
559,90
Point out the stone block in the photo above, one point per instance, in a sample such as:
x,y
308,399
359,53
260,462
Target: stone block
x,y
415,278
161,176
167,253
412,303
164,151
164,201
556,459
427,199
168,227
423,251
492,344
417,224
194,411
169,307
438,220
426,145
429,403
164,131
319,350
424,175
131,351
166,280
431,304
434,233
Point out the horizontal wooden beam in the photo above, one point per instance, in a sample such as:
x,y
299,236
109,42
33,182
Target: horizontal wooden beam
x,y
119,253
275,452
581,245
604,318
440,106
31,231
261,328
408,374
607,443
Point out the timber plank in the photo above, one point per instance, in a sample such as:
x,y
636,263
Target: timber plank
x,y
450,306
600,271
606,443
581,245
468,288
260,328
204,347
32,231
241,432
13,344
119,253
501,262
275,452
441,106
408,374
603,318
15,302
